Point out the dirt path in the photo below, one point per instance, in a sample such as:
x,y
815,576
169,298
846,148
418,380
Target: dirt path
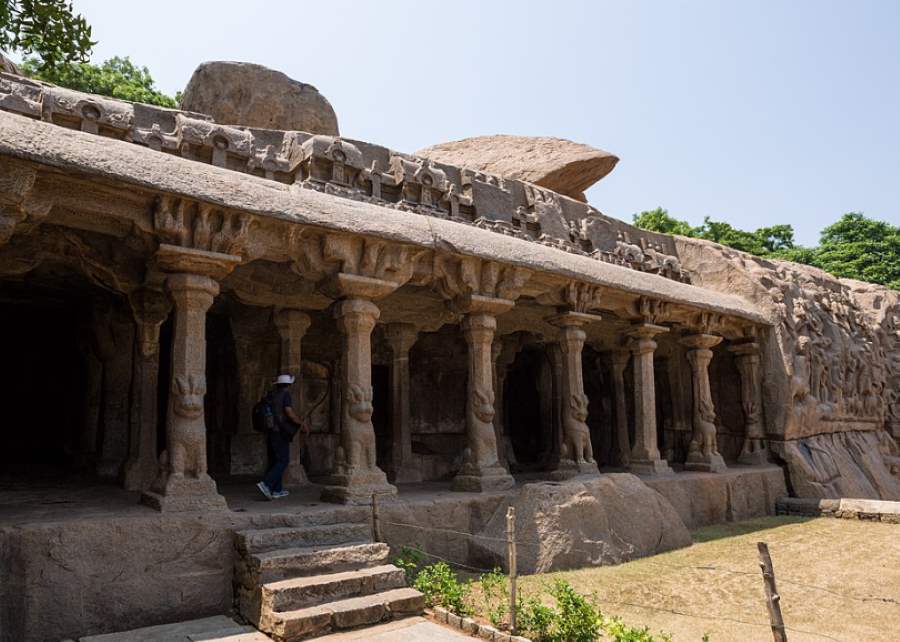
x,y
817,562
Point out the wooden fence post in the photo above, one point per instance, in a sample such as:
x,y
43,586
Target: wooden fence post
x,y
511,552
773,599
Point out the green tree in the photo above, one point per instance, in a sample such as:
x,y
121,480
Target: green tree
x,y
116,77
49,29
659,220
858,247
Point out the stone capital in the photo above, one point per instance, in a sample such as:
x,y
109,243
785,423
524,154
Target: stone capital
x,y
480,326
748,351
401,337
214,265
355,286
356,315
476,304
291,323
569,319
150,308
618,359
700,341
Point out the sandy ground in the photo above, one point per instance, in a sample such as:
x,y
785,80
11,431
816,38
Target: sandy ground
x,y
832,575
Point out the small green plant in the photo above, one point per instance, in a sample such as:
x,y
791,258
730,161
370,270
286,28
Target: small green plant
x,y
495,596
535,619
618,631
577,619
440,586
410,560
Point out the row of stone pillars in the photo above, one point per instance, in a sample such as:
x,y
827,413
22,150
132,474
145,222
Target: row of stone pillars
x,y
183,482
643,455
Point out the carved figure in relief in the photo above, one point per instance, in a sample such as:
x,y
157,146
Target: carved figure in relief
x,y
359,436
704,438
483,442
577,442
187,434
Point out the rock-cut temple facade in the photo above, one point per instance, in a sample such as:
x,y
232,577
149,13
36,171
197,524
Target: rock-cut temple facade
x,y
449,316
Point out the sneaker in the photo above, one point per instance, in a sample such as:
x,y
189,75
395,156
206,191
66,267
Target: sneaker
x,y
264,490
280,493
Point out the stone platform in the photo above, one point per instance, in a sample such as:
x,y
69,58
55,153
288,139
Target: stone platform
x,y
80,559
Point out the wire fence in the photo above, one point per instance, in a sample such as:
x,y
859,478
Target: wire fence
x,y
596,556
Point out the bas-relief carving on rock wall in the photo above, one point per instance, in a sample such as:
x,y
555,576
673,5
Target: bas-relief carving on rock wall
x,y
831,371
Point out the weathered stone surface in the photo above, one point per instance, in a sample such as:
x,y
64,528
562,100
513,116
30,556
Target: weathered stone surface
x,y
838,465
737,494
607,520
242,93
8,66
555,163
211,629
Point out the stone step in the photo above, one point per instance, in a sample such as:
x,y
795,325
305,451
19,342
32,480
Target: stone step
x,y
271,566
291,626
267,539
302,592
218,627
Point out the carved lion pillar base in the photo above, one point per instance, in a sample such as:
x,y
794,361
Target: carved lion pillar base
x,y
703,453
356,476
576,455
645,458
183,483
481,470
754,451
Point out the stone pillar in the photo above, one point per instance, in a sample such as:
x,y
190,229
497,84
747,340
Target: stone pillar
x,y
401,337
576,452
746,356
703,452
618,362
503,353
481,470
114,335
292,326
251,326
645,457
356,474
150,309
183,483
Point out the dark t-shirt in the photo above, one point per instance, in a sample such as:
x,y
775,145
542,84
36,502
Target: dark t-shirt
x,y
281,399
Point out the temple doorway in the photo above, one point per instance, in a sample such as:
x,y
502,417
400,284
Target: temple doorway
x,y
43,382
528,417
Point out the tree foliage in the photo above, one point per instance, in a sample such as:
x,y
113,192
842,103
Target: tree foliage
x,y
855,247
49,29
116,77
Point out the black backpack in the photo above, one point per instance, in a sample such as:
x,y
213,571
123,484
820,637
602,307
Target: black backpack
x,y
264,415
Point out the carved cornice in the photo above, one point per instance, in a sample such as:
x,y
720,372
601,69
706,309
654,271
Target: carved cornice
x,y
20,204
459,277
200,226
574,296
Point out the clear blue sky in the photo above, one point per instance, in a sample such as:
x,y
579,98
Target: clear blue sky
x,y
757,113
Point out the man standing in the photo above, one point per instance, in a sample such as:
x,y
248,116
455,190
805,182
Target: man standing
x,y
287,423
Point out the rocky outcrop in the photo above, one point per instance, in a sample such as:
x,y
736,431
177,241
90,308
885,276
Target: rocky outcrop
x,y
831,367
606,520
241,93
555,163
844,464
8,66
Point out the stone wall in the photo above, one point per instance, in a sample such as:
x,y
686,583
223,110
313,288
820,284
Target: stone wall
x,y
831,367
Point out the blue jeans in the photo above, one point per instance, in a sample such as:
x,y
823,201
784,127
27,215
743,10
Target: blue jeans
x,y
279,456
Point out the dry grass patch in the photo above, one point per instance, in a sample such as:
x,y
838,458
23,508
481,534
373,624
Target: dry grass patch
x,y
840,557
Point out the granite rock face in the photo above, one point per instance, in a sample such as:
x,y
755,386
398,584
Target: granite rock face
x,y
555,163
831,368
241,93
606,520
8,66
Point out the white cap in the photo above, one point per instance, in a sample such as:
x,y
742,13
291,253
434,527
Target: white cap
x,y
284,378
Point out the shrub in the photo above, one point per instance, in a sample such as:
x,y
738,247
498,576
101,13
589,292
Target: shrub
x,y
440,586
410,560
495,596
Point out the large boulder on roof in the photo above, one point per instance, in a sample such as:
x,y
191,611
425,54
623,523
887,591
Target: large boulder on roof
x,y
555,163
8,66
243,93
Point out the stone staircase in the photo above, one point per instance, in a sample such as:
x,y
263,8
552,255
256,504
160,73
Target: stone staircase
x,y
298,582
